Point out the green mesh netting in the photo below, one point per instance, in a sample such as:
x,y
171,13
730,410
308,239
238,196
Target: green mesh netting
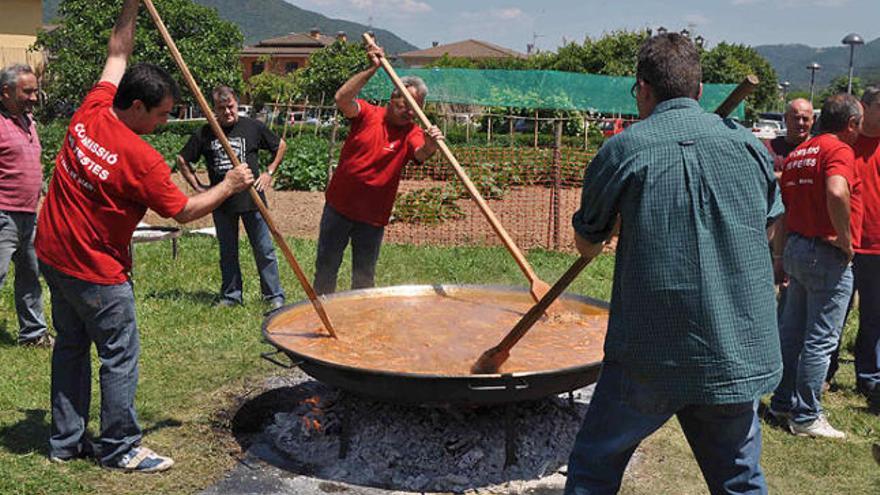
x,y
535,89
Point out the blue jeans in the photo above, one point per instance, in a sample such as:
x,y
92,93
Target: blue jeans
x,y
262,247
725,439
83,314
336,231
17,230
820,286
866,268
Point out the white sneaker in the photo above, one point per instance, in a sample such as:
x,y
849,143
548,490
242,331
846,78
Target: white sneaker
x,y
818,428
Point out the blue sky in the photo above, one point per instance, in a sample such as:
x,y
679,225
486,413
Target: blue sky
x,y
513,24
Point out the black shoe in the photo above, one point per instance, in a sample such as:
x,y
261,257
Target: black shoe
x,y
44,341
276,304
86,451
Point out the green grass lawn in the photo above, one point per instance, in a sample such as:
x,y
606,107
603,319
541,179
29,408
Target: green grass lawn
x,y
195,359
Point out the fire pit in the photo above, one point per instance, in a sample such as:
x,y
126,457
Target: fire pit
x,y
415,344
336,439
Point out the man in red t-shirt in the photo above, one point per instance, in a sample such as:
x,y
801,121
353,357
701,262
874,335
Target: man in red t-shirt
x,y
820,188
361,193
866,264
105,178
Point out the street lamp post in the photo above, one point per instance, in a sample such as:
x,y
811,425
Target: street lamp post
x,y
852,39
813,68
784,87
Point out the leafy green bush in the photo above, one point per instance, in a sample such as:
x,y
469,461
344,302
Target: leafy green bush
x,y
489,183
304,167
51,137
426,206
168,144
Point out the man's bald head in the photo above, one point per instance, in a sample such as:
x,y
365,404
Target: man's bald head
x,y
798,120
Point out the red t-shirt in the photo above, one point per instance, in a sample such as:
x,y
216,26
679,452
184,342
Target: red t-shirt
x,y
105,178
364,184
21,174
803,186
867,152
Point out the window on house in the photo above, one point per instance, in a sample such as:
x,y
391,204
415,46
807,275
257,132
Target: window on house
x,y
257,68
290,67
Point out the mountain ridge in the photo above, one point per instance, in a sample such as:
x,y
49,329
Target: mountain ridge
x,y
262,19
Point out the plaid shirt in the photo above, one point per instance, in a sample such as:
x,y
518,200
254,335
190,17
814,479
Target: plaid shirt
x,y
693,311
21,174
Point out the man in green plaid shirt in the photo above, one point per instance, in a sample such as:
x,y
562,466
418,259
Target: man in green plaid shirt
x,y
692,330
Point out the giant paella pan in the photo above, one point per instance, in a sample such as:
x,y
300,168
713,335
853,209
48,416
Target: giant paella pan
x,y
415,344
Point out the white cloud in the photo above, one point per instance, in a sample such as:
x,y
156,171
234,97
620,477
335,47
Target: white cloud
x,y
512,13
697,19
509,14
796,3
396,6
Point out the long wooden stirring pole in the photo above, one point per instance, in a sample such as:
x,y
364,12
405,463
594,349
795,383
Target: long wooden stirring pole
x,y
492,359
537,286
215,126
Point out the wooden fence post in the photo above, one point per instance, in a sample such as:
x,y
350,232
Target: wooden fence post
x,y
537,124
557,183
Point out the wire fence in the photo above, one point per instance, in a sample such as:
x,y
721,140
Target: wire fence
x,y
529,169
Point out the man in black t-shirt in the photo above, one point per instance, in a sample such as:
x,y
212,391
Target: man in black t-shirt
x,y
798,122
246,136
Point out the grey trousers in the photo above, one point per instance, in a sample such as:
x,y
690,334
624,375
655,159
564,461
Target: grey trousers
x,y
17,230
336,232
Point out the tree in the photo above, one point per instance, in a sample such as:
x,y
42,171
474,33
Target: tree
x,y
78,47
269,87
328,69
730,63
839,85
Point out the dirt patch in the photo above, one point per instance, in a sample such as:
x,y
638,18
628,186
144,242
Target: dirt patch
x,y
530,214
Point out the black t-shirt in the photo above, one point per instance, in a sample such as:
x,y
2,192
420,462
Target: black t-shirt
x,y
247,137
779,149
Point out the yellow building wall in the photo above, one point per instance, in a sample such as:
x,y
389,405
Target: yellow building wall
x,y
19,22
21,17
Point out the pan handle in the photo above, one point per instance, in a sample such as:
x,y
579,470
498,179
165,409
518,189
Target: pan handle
x,y
270,356
519,384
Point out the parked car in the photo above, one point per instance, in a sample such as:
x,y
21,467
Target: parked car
x,y
767,129
245,111
612,127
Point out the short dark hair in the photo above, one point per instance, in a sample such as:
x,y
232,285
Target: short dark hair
x,y
146,82
670,63
837,111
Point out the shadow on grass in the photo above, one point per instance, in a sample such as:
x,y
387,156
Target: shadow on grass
x,y
161,425
29,435
200,297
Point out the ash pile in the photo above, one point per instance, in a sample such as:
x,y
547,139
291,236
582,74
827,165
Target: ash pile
x,y
333,435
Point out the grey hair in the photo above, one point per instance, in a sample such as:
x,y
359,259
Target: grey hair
x,y
412,82
871,95
9,75
222,94
838,110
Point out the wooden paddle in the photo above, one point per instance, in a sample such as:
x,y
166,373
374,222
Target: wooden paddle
x,y
492,359
233,157
537,286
